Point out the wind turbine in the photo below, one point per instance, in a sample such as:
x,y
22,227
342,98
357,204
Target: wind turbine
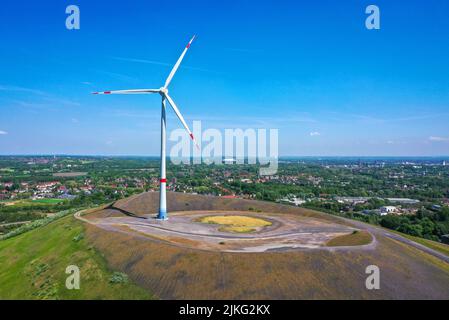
x,y
163,91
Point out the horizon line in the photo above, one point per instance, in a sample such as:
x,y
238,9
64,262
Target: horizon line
x,y
281,156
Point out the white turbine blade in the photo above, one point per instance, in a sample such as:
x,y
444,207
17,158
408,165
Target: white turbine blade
x,y
173,71
132,91
181,118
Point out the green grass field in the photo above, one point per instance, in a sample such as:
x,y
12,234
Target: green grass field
x,y
47,201
30,203
32,266
438,246
69,174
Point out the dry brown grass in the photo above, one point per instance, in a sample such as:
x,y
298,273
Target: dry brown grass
x,y
173,272
148,203
178,273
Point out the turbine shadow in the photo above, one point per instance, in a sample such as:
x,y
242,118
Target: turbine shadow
x,y
129,214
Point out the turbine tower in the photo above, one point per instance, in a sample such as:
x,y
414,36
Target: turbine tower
x,y
163,91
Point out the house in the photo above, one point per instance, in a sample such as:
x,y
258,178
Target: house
x,y
86,189
403,200
229,161
46,185
352,200
387,210
295,201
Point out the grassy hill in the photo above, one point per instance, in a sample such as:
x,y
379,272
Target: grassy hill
x,y
173,272
438,246
357,238
32,266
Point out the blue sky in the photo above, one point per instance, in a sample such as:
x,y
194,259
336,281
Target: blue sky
x,y
310,69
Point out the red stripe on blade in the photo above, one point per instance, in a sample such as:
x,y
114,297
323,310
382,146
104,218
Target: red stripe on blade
x,y
107,92
191,136
163,180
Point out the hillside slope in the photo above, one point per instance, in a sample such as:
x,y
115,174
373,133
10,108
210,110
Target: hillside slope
x,y
178,273
32,266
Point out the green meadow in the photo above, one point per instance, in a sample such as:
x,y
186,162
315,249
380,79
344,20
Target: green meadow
x,y
32,266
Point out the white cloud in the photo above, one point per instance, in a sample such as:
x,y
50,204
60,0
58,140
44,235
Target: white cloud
x,y
21,89
57,101
438,139
3,132
45,98
315,133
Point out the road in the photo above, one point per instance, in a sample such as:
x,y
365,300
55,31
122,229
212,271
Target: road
x,y
376,231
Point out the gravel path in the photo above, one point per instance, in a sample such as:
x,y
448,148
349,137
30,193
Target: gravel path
x,y
184,229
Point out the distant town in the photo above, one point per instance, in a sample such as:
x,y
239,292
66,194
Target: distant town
x,y
410,195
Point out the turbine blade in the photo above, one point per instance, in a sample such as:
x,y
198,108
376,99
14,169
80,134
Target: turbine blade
x,y
132,91
181,118
173,71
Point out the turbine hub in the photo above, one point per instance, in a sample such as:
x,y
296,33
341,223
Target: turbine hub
x,y
163,90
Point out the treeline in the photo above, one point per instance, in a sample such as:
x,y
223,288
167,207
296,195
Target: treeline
x,y
428,223
34,211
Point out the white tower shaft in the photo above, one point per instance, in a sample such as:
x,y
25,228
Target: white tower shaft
x,y
163,178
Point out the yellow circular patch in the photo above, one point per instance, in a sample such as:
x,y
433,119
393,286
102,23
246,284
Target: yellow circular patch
x,y
239,224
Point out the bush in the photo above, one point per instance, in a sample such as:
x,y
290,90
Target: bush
x,y
413,230
78,237
391,222
118,277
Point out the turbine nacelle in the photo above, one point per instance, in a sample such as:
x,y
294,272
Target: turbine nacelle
x,y
163,91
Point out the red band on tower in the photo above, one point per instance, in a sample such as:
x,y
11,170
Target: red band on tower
x,y
163,180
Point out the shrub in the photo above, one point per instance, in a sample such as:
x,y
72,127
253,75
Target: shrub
x,y
78,237
118,277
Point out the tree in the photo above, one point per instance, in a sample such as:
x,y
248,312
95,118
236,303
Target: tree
x,y
414,230
391,222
